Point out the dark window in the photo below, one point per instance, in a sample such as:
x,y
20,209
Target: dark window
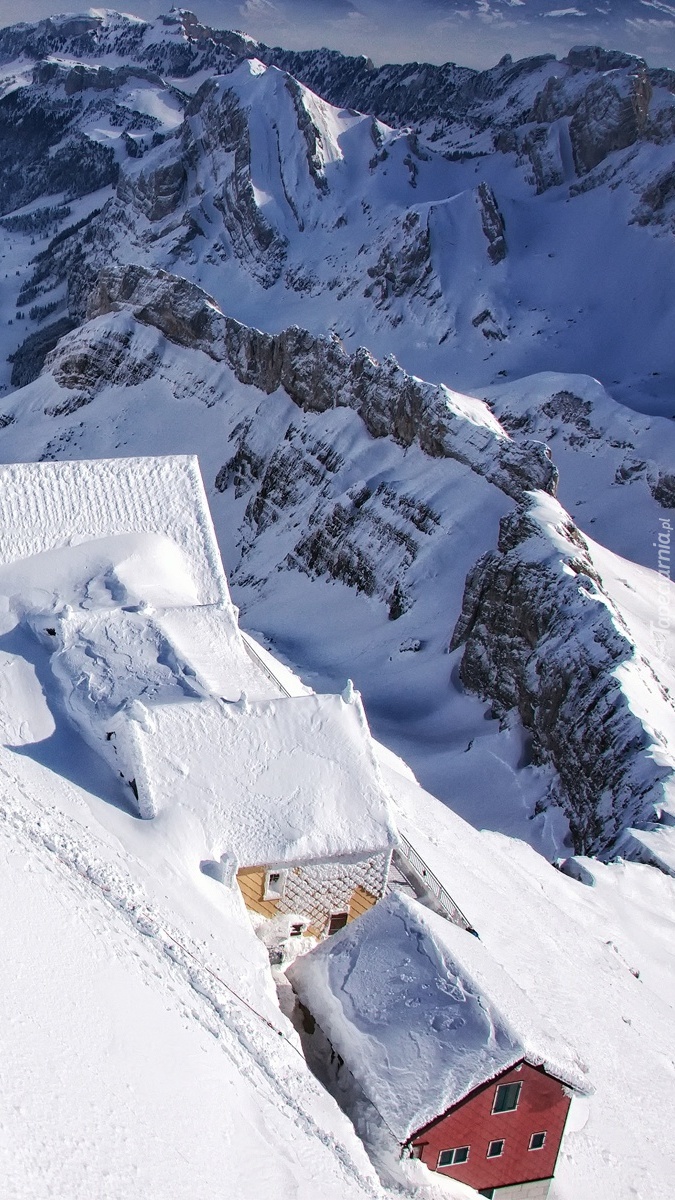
x,y
296,930
450,1158
537,1141
506,1097
337,921
488,1192
495,1149
275,885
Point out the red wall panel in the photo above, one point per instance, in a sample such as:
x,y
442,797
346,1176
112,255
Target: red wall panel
x,y
542,1107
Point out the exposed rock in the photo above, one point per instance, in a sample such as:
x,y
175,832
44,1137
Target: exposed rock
x,y
492,222
541,637
611,115
154,192
657,202
98,360
318,374
404,264
311,135
223,125
29,359
663,490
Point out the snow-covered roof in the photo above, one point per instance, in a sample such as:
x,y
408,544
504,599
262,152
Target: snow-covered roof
x,y
421,1013
278,781
47,505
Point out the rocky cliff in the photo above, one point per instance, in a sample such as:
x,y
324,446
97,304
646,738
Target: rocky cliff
x,y
541,637
317,374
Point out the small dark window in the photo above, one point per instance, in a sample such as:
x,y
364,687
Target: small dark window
x,y
537,1141
296,930
275,885
506,1097
451,1158
488,1192
337,921
495,1149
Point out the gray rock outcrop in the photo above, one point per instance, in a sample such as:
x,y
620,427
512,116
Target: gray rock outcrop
x,y
318,374
541,638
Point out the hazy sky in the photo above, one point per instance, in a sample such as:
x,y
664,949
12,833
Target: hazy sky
x,y
391,30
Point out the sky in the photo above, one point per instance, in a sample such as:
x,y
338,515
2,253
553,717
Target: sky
x,y
406,30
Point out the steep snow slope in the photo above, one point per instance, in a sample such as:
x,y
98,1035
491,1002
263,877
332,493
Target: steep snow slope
x,y
100,906
129,1069
512,244
145,1052
597,961
351,502
521,227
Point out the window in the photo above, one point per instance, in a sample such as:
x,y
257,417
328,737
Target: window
x,y
495,1149
337,921
275,885
451,1158
506,1097
537,1141
296,930
488,1192
417,1151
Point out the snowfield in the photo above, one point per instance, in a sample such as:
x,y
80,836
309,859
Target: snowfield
x,y
132,1069
379,364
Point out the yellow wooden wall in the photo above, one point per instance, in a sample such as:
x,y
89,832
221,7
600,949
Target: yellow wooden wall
x,y
360,902
251,881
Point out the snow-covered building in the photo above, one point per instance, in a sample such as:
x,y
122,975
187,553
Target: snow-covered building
x,y
118,573
447,1049
286,792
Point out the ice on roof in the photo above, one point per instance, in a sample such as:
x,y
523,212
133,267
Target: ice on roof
x,y
56,504
421,1013
279,781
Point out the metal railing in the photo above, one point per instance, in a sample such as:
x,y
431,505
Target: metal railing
x,y
263,665
432,884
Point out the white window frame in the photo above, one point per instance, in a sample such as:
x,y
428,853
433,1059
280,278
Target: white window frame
x,y
496,1142
539,1133
453,1150
274,890
498,1112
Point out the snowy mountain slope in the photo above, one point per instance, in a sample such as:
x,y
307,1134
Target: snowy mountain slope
x,y
100,906
476,33
393,245
349,493
120,888
291,208
144,1049
595,959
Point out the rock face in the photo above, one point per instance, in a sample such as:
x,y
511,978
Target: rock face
x,y
403,266
217,118
493,223
541,638
333,463
317,374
